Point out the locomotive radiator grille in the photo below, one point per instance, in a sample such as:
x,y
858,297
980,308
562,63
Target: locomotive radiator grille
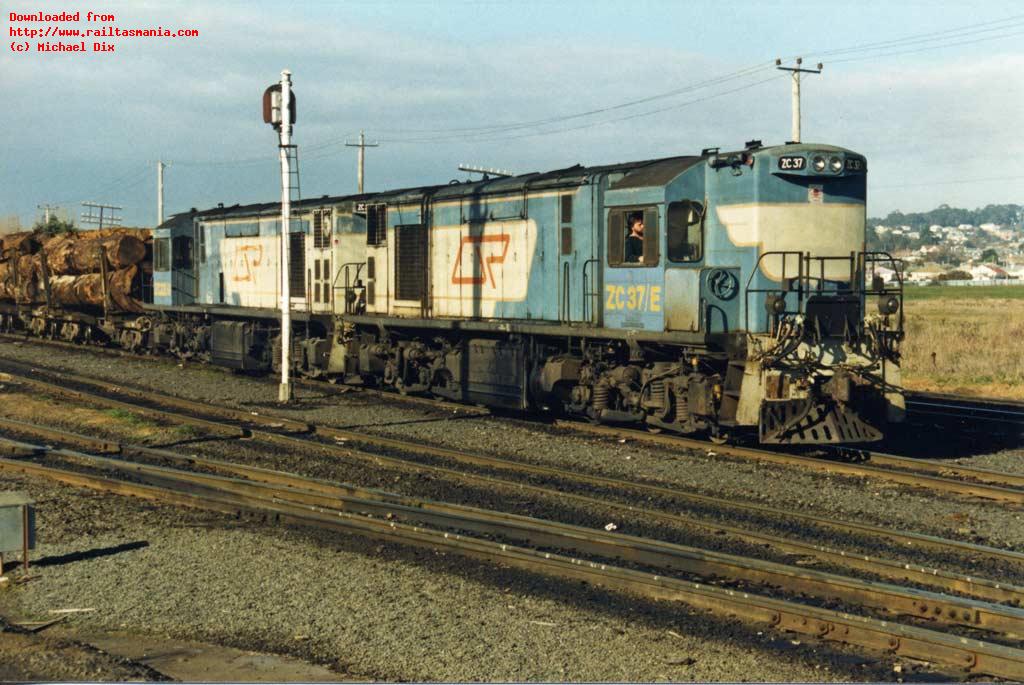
x,y
410,262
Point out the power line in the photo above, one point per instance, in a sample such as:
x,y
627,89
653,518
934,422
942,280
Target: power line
x,y
490,133
927,48
629,117
970,29
131,175
540,122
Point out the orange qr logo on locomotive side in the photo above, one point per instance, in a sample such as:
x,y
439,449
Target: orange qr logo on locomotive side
x,y
482,258
242,258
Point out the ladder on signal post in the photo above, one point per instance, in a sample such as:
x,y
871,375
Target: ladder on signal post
x,y
297,245
294,190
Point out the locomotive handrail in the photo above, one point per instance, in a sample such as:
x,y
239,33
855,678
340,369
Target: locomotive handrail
x,y
350,307
588,295
808,283
566,301
747,290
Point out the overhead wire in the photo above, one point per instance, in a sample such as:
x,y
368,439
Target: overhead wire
x,y
1005,22
492,132
136,173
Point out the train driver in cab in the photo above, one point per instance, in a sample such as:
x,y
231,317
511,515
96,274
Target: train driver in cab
x,y
635,240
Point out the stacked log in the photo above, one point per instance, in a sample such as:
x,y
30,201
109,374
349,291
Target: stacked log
x,y
26,242
87,289
74,264
17,280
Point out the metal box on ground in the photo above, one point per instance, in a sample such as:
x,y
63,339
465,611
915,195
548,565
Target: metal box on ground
x,y
17,525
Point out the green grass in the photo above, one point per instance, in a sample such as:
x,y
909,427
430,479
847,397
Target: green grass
x,y
965,292
128,417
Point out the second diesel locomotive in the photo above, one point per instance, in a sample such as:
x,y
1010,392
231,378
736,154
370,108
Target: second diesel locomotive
x,y
746,304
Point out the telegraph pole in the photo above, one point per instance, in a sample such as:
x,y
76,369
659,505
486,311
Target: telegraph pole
x,y
160,166
362,145
91,217
46,211
796,71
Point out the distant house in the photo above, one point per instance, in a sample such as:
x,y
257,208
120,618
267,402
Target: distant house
x,y
888,275
920,277
989,272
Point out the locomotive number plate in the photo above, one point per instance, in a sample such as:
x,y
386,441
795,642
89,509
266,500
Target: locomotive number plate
x,y
633,297
854,164
792,163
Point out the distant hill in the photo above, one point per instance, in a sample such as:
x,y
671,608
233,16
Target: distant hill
x,y
1010,216
950,234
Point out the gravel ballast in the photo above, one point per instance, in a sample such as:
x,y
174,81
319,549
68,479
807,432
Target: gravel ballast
x,y
381,624
375,611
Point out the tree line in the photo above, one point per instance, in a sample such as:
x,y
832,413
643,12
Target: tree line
x,y
1009,215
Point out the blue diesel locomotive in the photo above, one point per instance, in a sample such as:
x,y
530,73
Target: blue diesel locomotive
x,y
726,292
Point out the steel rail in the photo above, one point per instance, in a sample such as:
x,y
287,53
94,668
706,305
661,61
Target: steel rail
x,y
323,385
923,396
976,412
940,484
971,655
933,577
1001,478
944,609
902,537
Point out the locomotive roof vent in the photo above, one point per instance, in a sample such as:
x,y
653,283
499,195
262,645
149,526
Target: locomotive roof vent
x,y
709,151
753,144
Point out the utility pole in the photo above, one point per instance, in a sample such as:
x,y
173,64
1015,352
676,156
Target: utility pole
x,y
796,71
46,211
160,166
91,217
362,145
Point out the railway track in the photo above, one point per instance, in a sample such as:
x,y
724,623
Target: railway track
x,y
301,436
289,498
944,477
988,411
322,386
986,484
938,405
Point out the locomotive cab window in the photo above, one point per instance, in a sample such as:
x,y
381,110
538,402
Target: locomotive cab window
x,y
633,237
685,231
162,254
182,251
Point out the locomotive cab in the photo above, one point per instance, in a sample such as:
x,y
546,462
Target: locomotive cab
x,y
822,330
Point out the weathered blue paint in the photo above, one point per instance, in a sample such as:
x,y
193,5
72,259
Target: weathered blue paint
x,y
570,279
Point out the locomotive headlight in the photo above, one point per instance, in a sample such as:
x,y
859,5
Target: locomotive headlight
x,y
775,304
835,164
888,304
818,163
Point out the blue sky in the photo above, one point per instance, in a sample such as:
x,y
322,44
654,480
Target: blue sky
x,y
932,95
